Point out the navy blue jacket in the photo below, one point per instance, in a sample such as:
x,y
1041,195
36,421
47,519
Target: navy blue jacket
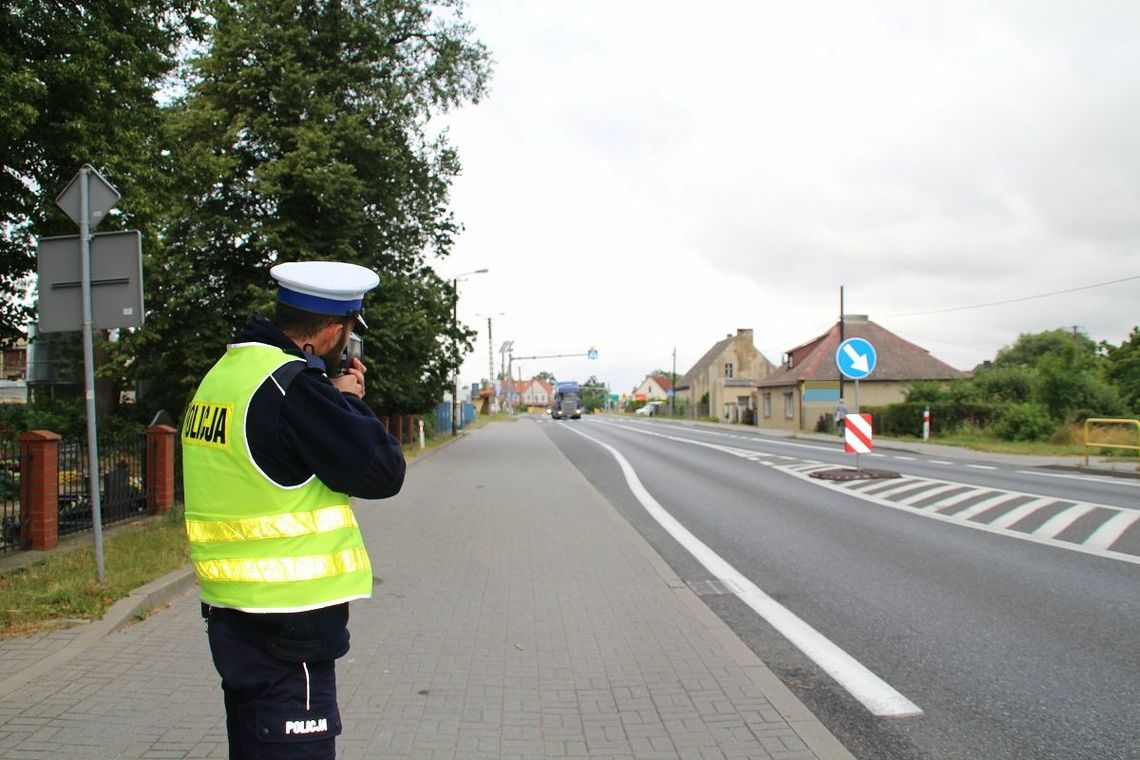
x,y
314,429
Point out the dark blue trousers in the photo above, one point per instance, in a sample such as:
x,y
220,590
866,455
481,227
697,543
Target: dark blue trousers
x,y
279,704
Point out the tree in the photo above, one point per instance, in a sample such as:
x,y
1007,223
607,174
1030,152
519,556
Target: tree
x,y
1123,369
545,376
78,84
1065,373
1031,347
594,393
1063,387
304,135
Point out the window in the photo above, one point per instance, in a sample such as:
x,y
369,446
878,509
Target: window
x,y
728,369
767,405
789,407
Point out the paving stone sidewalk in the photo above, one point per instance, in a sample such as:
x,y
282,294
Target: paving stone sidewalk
x,y
517,615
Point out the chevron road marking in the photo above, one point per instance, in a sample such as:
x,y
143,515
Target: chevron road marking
x,y
1099,542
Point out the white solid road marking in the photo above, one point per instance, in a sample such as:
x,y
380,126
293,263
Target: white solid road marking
x,y
873,692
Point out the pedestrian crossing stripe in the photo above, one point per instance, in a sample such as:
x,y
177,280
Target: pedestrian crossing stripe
x,y
1016,514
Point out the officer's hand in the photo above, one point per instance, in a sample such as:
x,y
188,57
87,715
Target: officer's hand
x,y
352,381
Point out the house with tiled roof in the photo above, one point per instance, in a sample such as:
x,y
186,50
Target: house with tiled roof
x,y
533,392
653,388
723,382
807,385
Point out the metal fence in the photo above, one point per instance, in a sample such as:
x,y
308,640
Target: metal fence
x,y
9,494
443,416
122,482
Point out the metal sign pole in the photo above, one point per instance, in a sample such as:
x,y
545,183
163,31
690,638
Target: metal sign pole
x,y
89,366
857,466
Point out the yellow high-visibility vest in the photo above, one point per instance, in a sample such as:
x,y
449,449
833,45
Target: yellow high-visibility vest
x,y
256,545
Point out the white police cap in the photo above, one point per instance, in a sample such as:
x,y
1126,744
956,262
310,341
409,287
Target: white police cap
x,y
335,288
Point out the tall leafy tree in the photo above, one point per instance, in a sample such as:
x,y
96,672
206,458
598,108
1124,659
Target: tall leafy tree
x,y
594,393
305,134
77,85
1030,348
1124,368
1064,371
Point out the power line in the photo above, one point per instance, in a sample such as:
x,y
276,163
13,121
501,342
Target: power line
x,y
1015,300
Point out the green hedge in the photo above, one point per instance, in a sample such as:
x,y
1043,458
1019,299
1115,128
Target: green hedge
x,y
945,417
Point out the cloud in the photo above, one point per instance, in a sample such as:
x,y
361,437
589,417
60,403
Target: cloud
x,y
648,176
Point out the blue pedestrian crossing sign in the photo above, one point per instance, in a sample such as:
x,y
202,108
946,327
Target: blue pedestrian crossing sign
x,y
855,358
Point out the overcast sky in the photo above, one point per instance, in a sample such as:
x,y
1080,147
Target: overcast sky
x,y
645,176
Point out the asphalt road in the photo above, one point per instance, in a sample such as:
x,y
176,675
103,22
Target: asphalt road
x,y
1011,649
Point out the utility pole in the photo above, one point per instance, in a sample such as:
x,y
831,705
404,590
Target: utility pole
x,y
673,390
842,334
455,326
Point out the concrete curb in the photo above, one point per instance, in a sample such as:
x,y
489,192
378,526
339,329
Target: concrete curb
x,y
138,602
822,743
135,605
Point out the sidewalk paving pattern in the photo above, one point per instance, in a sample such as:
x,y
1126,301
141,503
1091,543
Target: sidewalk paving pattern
x,y
517,615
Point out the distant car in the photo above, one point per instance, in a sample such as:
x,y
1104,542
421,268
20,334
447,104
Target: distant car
x,y
648,410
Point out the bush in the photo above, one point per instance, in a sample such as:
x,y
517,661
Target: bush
x,y
1025,422
1011,385
945,417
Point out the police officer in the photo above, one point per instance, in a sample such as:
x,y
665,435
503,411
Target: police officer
x,y
276,440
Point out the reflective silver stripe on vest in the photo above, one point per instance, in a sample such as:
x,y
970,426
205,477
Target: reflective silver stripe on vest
x,y
287,525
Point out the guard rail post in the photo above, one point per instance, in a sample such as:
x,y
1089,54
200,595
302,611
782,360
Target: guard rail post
x,y
39,489
1101,421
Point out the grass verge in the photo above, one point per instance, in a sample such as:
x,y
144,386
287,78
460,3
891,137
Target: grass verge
x,y
60,589
995,445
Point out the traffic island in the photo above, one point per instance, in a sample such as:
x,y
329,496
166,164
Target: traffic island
x,y
848,473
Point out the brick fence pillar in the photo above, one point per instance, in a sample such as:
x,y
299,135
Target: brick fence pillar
x,y
160,469
39,489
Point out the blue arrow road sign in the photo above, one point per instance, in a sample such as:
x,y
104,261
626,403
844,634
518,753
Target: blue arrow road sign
x,y
855,358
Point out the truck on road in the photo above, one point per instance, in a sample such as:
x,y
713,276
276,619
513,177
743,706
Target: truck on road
x,y
567,401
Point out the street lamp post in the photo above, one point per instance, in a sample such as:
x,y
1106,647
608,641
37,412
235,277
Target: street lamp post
x,y
455,329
